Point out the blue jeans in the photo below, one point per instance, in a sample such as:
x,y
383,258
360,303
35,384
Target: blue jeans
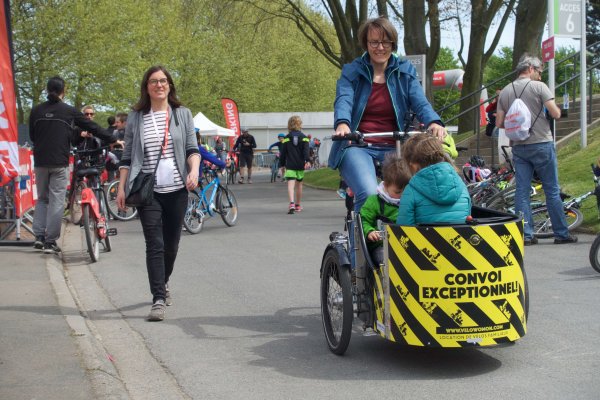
x,y
541,158
358,171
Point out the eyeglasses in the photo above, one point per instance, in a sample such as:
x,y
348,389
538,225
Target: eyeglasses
x,y
155,82
375,44
89,114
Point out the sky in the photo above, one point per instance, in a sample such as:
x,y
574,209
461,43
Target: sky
x,y
451,39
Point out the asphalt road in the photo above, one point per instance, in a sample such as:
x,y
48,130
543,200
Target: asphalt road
x,y
246,320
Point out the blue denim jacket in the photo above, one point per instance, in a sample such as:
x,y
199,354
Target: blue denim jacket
x,y
353,90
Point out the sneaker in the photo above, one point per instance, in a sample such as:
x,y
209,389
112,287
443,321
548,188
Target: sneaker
x,y
241,180
568,239
341,193
532,241
51,248
157,312
249,181
298,208
168,299
292,208
39,243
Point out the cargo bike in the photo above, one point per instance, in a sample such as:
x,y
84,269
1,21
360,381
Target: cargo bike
x,y
447,286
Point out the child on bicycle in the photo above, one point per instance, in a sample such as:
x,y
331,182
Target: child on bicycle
x,y
383,206
435,193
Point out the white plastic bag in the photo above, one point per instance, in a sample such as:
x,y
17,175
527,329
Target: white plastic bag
x,y
517,121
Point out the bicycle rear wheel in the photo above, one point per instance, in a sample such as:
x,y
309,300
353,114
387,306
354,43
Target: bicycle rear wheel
x,y
194,218
75,211
90,227
542,225
227,206
336,303
101,194
113,209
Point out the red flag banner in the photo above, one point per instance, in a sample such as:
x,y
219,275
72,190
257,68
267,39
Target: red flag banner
x,y
232,118
9,152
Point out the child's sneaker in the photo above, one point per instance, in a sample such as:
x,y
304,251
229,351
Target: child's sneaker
x,y
298,208
292,208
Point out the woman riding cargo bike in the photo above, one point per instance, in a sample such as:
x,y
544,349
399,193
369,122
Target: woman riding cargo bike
x,y
452,285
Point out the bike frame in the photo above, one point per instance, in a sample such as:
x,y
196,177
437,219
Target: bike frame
x,y
212,186
89,197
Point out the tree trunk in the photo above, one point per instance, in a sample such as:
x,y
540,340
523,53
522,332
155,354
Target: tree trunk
x,y
529,28
482,15
415,38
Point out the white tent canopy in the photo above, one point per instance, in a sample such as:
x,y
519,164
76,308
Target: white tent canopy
x,y
209,128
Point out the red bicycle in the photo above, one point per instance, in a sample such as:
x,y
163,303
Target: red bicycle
x,y
93,202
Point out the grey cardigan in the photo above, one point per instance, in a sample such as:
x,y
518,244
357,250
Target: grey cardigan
x,y
181,128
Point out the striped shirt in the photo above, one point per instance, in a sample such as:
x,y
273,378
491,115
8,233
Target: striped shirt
x,y
153,141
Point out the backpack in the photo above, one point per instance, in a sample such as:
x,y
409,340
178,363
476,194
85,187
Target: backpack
x,y
518,118
517,123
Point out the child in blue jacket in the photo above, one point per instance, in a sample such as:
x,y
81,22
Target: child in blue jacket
x,y
435,193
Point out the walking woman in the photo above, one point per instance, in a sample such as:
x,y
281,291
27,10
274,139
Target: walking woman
x,y
160,124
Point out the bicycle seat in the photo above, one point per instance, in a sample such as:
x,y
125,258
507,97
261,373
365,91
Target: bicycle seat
x,y
87,172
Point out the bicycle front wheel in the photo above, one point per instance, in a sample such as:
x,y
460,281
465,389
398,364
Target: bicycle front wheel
x,y
90,227
227,206
194,218
595,254
336,303
542,225
113,209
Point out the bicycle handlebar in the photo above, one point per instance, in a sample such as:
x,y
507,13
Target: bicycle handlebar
x,y
90,152
359,137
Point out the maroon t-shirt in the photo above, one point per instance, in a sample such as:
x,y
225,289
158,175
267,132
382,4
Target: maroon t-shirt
x,y
379,115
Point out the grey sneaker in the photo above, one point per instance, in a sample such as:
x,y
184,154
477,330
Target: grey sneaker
x,y
39,243
157,312
168,299
51,248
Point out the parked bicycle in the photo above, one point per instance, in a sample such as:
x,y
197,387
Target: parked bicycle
x,y
93,201
111,193
209,200
542,226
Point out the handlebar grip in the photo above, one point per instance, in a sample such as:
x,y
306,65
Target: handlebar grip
x,y
349,136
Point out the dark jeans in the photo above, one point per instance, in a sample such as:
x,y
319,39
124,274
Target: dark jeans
x,y
161,222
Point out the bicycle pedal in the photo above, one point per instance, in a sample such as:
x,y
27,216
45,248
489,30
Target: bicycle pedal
x,y
111,232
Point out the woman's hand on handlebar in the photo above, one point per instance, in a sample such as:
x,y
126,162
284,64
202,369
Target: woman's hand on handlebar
x,y
437,130
342,129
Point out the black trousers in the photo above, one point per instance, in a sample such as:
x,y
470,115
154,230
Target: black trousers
x,y
161,222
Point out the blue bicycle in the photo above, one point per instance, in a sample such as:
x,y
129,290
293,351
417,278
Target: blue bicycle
x,y
208,200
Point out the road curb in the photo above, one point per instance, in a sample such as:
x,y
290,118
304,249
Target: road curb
x,y
119,363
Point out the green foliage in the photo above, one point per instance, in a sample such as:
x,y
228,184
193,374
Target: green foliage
x,y
498,67
213,49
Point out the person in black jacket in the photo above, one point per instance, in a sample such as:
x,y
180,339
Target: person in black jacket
x,y
294,156
51,130
245,144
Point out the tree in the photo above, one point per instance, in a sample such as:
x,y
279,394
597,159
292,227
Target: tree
x,y
531,18
444,97
592,26
482,14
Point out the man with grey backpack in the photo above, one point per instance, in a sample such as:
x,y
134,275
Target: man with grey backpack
x,y
533,146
